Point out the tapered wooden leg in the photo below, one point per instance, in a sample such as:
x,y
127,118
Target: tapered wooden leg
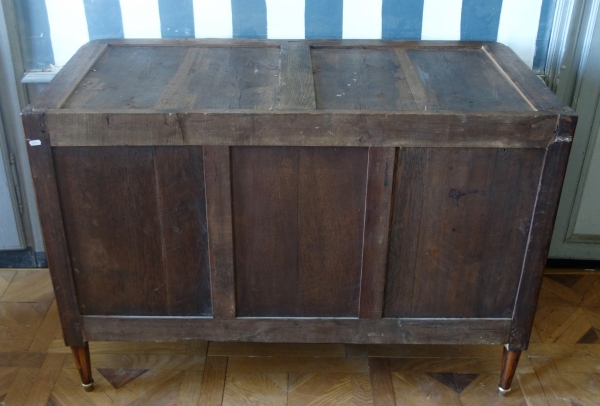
x,y
510,360
82,360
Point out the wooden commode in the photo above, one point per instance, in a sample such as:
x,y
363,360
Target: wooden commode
x,y
297,191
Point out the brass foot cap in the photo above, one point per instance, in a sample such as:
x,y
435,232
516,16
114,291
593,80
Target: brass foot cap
x,y
503,391
88,387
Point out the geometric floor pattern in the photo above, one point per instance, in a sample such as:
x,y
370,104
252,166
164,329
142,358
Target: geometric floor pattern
x,y
561,366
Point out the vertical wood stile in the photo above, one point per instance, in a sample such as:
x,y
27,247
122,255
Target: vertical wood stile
x,y
376,231
217,177
49,209
544,214
296,79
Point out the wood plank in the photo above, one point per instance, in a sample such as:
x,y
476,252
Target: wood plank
x,y
275,350
533,88
49,210
327,388
465,79
422,97
380,177
114,246
532,390
507,222
45,380
45,333
181,205
306,128
21,386
256,388
306,330
265,216
420,389
296,364
541,232
213,382
407,207
454,365
331,207
65,81
297,90
217,181
190,389
360,79
381,382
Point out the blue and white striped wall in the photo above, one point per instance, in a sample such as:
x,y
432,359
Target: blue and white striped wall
x,y
52,30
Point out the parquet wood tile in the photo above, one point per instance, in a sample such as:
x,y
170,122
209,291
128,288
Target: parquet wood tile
x,y
29,286
561,366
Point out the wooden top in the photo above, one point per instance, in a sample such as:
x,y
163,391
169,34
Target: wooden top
x,y
247,92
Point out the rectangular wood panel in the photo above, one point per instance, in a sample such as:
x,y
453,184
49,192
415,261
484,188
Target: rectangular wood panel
x,y
182,218
298,221
135,229
265,214
459,230
331,204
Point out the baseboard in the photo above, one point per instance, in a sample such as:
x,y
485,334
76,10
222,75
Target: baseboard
x,y
26,258
573,263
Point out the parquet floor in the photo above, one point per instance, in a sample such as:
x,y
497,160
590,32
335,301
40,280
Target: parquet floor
x,y
561,367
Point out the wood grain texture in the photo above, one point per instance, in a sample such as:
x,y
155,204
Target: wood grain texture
x,y
183,228
296,79
540,233
113,245
331,191
533,88
381,382
65,82
307,128
55,241
155,242
265,214
298,230
217,178
213,381
455,212
353,331
421,97
465,80
380,180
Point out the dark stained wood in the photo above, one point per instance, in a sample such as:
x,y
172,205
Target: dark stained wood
x,y
265,215
140,222
297,87
380,179
49,211
306,128
555,165
307,188
510,360
407,203
217,178
299,330
512,196
65,81
113,230
183,229
459,231
331,193
457,186
298,219
465,80
533,88
84,366
381,382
